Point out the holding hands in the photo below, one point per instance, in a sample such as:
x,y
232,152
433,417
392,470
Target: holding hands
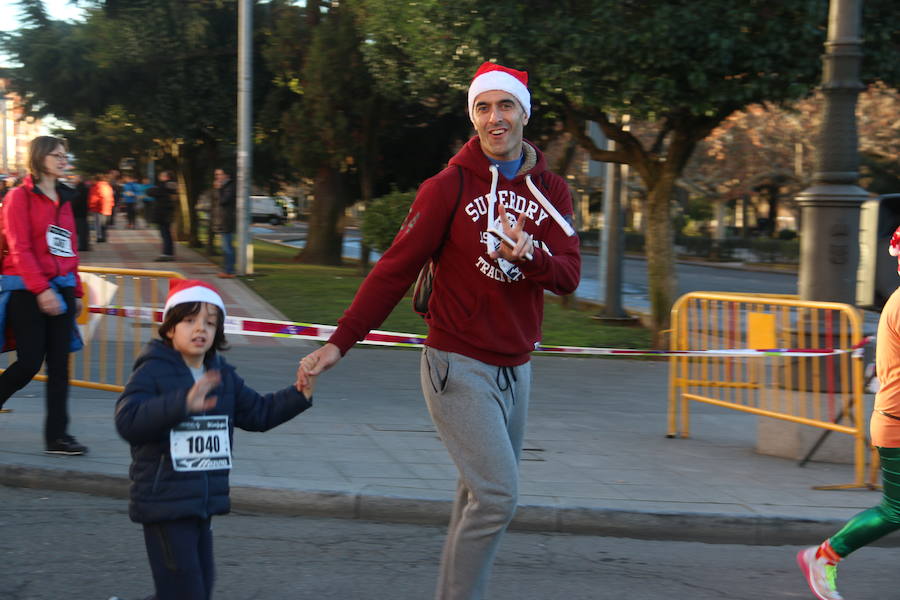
x,y
313,364
198,398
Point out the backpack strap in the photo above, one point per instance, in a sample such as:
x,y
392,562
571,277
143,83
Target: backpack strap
x,y
425,280
455,207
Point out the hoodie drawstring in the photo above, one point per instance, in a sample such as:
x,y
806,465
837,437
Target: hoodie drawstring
x,y
509,377
492,200
551,210
542,200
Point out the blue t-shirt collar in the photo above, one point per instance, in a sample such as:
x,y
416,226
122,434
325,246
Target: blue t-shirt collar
x,y
508,168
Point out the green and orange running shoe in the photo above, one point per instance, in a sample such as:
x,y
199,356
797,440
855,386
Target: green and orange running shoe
x,y
820,574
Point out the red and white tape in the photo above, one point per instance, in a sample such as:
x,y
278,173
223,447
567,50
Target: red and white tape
x,y
311,331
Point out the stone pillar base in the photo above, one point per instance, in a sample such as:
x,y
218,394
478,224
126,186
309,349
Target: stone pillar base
x,y
775,437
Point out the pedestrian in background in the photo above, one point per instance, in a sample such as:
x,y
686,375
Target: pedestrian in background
x,y
203,208
80,212
163,194
226,198
113,177
485,311
101,201
144,201
819,563
131,190
41,288
178,411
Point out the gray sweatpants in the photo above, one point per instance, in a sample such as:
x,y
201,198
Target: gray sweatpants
x,y
479,411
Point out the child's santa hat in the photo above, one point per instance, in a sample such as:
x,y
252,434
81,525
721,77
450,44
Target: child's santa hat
x,y
191,290
491,76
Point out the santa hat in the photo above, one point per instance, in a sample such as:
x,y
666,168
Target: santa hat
x,y
895,246
491,76
191,290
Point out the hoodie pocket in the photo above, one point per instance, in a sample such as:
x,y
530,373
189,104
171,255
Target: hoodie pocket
x,y
438,363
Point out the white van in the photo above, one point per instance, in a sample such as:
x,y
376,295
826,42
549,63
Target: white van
x,y
264,208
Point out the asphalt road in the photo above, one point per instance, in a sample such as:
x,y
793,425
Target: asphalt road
x,y
691,278
58,545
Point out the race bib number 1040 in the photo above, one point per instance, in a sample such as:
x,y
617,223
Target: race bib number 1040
x,y
201,444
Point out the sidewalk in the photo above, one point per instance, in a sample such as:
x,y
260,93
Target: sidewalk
x,y
596,458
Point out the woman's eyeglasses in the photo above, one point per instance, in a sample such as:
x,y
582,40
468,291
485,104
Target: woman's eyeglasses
x,y
59,156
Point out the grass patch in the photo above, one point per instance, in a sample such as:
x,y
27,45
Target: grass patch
x,y
317,294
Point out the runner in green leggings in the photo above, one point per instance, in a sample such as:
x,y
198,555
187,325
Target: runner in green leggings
x,y
819,563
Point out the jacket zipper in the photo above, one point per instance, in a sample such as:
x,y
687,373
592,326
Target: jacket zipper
x,y
59,204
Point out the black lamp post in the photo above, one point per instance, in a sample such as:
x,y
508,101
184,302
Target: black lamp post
x,y
829,245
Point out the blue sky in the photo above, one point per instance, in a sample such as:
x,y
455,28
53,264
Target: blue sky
x,y
61,10
58,9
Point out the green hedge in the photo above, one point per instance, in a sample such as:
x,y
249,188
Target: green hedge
x,y
383,218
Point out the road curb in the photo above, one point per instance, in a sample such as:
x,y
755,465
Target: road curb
x,y
711,527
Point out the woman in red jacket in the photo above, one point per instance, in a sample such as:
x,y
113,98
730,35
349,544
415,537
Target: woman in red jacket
x,y
41,288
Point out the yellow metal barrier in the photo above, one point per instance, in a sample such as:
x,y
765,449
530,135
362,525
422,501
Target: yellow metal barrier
x,y
808,390
111,343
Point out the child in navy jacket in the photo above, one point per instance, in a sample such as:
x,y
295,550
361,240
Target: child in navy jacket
x,y
178,412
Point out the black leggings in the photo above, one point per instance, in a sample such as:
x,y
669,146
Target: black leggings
x,y
40,337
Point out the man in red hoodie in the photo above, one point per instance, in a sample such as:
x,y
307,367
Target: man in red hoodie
x,y
484,313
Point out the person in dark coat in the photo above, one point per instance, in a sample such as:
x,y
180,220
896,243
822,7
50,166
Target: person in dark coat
x,y
163,194
226,222
178,412
80,210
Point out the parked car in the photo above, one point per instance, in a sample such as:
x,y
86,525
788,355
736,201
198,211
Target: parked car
x,y
265,208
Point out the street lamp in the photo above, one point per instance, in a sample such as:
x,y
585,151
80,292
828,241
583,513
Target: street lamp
x,y
245,144
829,246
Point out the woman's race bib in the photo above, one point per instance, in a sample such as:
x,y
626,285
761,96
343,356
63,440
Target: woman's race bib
x,y
59,241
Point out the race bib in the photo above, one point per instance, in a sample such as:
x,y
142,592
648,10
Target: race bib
x,y
200,444
59,241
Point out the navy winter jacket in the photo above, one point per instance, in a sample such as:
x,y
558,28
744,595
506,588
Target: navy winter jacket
x,y
154,401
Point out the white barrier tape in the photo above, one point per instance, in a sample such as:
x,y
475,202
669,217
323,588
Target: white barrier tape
x,y
311,331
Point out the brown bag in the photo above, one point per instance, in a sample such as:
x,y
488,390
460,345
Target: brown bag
x,y
422,288
425,281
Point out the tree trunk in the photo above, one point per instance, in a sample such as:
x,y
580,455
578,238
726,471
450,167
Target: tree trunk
x,y
325,235
193,172
659,249
772,194
188,175
182,215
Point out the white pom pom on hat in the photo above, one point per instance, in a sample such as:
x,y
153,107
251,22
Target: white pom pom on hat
x,y
491,76
191,290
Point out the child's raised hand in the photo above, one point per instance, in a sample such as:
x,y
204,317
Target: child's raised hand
x,y
197,400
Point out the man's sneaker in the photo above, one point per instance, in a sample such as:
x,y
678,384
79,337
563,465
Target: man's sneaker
x,y
820,574
66,445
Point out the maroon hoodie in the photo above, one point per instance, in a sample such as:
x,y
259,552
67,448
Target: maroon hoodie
x,y
485,309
